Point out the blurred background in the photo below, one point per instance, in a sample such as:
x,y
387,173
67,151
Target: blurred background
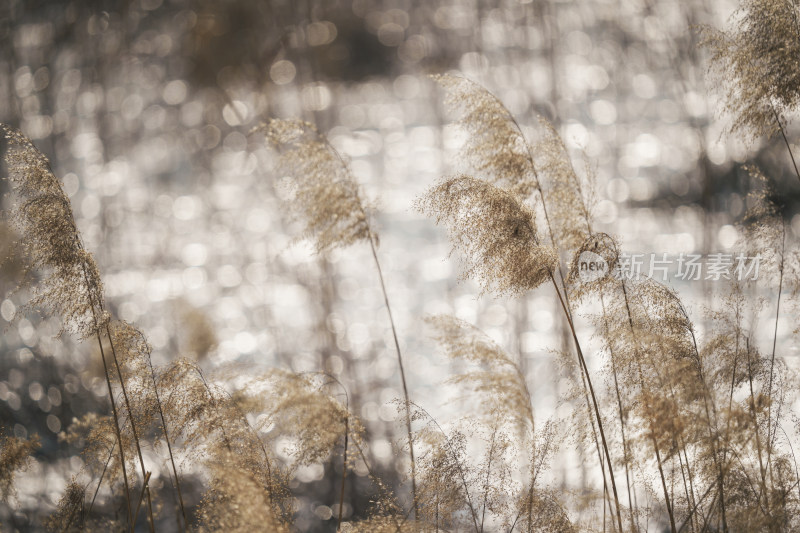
x,y
144,108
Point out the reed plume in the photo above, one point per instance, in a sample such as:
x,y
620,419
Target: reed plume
x,y
214,430
569,199
327,201
498,151
71,288
445,477
237,500
497,144
756,61
493,375
506,415
496,148
324,197
494,230
704,411
15,456
42,213
71,285
298,406
68,516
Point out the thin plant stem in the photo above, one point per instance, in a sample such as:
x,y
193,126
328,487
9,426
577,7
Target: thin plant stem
x,y
102,474
402,378
691,483
436,518
376,480
600,459
94,308
71,518
334,379
683,474
587,219
145,488
96,328
733,384
642,385
794,459
568,314
462,475
696,506
371,236
116,428
634,526
169,446
344,471
488,474
582,362
712,434
785,140
536,468
752,405
670,511
774,344
270,489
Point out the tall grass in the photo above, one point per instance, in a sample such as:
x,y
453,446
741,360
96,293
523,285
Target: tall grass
x,y
698,419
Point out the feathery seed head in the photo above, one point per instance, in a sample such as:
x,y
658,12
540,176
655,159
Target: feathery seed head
x,y
569,201
326,198
14,457
764,230
301,409
498,377
756,62
42,213
66,517
494,230
496,149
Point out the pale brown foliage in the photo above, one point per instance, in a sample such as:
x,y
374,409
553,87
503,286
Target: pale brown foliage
x,y
494,376
214,429
237,500
568,199
496,148
324,196
706,414
42,213
298,406
445,476
67,516
15,455
499,153
505,423
495,232
756,61
94,434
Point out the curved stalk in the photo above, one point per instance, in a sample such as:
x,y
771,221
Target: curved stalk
x,y
402,378
169,446
585,369
145,488
344,472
